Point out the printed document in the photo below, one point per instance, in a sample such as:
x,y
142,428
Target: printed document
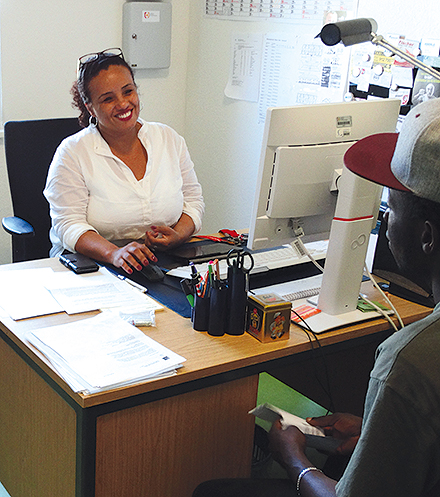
x,y
26,293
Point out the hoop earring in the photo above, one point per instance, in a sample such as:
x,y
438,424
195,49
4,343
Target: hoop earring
x,y
93,121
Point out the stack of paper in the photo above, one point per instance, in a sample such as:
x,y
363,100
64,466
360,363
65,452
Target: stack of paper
x,y
103,352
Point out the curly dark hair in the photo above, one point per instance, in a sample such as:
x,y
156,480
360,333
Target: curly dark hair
x,y
80,88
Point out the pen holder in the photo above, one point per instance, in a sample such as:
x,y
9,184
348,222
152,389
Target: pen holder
x,y
218,309
237,302
200,313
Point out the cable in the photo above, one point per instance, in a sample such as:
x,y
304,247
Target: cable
x,y
326,389
381,311
376,285
302,250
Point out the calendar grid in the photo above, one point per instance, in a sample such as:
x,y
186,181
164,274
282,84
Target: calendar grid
x,y
300,10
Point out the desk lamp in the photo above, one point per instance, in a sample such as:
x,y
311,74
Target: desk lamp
x,y
362,30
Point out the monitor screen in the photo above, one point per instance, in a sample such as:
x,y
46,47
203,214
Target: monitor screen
x,y
301,160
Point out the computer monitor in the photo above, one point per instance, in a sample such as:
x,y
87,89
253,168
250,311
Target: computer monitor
x,y
301,159
304,188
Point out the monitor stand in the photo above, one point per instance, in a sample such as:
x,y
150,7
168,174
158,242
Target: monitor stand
x,y
321,321
299,291
356,208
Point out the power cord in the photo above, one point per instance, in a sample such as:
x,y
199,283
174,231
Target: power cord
x,y
385,296
302,250
326,388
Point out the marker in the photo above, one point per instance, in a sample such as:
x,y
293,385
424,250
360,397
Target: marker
x,y
195,276
124,278
188,291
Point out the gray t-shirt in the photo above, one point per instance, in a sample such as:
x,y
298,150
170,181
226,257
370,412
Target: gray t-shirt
x,y
398,453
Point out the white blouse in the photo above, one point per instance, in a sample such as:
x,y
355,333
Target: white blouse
x,y
89,188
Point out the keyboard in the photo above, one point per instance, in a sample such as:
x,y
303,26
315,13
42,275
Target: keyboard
x,y
294,290
287,256
264,260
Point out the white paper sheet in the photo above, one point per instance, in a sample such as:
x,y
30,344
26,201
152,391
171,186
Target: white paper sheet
x,y
300,70
244,72
87,292
23,295
315,437
26,293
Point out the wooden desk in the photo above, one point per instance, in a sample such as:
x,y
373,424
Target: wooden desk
x,y
155,439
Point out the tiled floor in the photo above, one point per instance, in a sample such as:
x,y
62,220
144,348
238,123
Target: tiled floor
x,y
3,492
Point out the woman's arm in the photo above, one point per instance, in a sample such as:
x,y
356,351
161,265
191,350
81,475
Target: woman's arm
x,y
133,255
165,237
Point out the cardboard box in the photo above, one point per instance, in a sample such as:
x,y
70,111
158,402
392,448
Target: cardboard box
x,y
268,317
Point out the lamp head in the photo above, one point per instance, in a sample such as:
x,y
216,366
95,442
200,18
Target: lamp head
x,y
349,32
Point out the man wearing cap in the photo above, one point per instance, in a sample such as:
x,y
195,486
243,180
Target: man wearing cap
x,y
396,446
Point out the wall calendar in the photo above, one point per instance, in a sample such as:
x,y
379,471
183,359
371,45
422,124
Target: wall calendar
x,y
313,11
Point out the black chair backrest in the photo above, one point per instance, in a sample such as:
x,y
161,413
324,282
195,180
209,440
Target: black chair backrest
x,y
29,148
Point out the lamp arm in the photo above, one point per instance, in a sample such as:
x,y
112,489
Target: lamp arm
x,y
379,40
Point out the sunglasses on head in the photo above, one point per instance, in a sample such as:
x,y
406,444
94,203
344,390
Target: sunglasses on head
x,y
91,57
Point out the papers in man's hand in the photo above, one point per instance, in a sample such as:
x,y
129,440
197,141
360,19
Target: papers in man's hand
x,y
315,436
26,293
271,413
103,352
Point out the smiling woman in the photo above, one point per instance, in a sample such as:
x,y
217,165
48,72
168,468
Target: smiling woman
x,y
114,104
121,187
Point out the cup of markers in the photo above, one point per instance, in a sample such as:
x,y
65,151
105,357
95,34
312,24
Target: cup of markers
x,y
207,294
219,305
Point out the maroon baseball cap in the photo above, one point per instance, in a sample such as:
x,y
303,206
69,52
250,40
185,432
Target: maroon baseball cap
x,y
408,161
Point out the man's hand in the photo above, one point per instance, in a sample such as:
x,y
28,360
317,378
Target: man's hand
x,y
343,426
287,446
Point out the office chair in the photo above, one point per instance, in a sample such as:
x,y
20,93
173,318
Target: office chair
x,y
29,148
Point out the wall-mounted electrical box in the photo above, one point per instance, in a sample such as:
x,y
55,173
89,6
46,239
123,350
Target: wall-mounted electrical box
x,y
146,34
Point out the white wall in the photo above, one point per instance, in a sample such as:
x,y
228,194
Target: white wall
x,y
41,40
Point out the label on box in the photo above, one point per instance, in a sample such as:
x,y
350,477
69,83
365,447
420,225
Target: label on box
x,y
255,320
269,299
277,325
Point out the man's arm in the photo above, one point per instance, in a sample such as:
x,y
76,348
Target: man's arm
x,y
288,448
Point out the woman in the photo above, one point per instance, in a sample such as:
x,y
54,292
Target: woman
x,y
121,187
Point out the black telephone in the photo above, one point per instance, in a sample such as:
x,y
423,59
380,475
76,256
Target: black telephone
x,y
79,263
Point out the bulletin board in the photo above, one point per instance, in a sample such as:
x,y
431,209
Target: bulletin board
x,y
295,68
282,68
